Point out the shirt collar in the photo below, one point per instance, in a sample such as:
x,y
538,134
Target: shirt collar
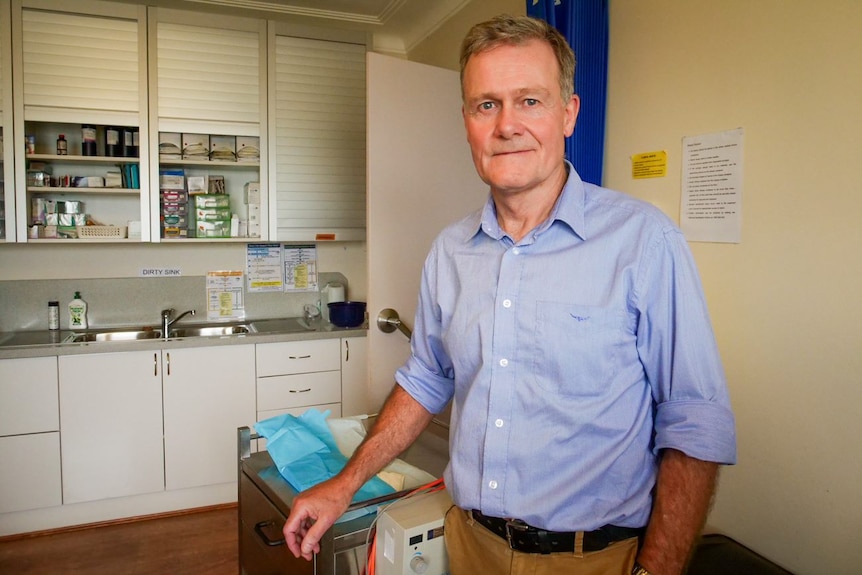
x,y
569,210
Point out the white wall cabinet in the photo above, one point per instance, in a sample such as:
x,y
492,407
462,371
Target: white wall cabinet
x,y
111,425
29,434
101,49
208,393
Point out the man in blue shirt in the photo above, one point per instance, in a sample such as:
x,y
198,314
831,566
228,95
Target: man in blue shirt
x,y
567,324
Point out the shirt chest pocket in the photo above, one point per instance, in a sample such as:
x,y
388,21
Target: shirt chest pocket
x,y
580,349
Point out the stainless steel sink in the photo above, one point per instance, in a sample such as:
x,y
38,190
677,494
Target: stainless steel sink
x,y
114,335
214,329
283,325
211,330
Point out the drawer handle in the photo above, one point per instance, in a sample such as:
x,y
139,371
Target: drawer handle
x,y
298,356
264,537
300,390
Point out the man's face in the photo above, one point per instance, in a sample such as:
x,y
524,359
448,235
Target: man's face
x,y
516,121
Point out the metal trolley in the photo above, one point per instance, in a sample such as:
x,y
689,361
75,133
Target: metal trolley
x,y
265,499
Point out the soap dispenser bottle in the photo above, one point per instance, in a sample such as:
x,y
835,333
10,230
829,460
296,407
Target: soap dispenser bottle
x,y
78,312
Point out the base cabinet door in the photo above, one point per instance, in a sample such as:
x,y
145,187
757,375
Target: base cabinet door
x,y
208,393
30,473
111,425
29,434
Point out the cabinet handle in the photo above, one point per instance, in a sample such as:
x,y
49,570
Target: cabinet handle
x,y
300,390
346,350
168,362
264,537
298,356
155,364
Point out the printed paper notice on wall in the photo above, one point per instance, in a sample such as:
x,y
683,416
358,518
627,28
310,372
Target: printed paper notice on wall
x,y
263,263
225,296
649,165
711,209
300,268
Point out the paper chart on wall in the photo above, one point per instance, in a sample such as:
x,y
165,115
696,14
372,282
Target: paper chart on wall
x,y
263,264
225,296
300,268
711,208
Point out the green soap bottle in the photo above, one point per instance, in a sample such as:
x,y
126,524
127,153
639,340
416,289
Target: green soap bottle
x,y
77,312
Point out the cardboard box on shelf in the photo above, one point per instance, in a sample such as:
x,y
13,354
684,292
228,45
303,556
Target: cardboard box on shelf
x,y
172,179
197,184
252,193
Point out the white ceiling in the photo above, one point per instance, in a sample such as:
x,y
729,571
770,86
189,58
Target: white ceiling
x,y
397,25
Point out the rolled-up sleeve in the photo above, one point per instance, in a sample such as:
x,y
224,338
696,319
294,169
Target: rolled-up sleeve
x,y
680,356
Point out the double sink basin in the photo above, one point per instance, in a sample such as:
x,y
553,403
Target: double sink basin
x,y
287,325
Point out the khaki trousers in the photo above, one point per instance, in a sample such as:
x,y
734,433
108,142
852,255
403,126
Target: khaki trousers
x,y
474,550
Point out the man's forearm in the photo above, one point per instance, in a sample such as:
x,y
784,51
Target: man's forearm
x,y
398,424
683,495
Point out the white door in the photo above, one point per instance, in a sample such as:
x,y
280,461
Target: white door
x,y
420,178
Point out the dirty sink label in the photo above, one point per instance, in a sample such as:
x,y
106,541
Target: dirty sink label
x,y
160,272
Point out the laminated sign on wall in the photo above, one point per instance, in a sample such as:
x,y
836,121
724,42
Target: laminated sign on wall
x,y
225,296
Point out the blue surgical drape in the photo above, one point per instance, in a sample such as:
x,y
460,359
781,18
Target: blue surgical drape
x,y
584,23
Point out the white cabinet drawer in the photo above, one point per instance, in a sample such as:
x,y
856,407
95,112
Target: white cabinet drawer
x,y
287,391
29,398
285,358
30,474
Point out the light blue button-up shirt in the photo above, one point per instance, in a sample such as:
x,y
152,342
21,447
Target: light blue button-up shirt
x,y
573,357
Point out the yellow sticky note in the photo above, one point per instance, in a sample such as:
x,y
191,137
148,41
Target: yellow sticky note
x,y
649,165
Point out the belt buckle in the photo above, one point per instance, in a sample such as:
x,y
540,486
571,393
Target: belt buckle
x,y
517,525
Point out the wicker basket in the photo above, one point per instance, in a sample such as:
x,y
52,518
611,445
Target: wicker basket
x,y
101,232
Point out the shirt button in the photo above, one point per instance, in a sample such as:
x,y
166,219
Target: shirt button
x,y
504,362
516,251
499,423
507,303
492,484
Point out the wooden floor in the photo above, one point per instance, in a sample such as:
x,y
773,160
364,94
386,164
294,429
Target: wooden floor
x,y
190,544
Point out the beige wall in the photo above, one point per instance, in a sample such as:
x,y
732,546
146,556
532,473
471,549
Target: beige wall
x,y
785,301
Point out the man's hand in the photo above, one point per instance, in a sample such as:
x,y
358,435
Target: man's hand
x,y
314,511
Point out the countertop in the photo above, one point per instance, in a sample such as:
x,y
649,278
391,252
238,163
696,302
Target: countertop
x,y
47,343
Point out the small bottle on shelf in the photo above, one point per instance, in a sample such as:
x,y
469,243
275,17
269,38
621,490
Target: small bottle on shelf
x,y
62,145
88,140
113,146
53,315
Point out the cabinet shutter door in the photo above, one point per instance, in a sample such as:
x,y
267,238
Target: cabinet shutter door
x,y
208,77
320,139
74,63
3,49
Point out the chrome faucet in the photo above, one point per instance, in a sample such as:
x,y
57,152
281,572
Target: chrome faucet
x,y
168,319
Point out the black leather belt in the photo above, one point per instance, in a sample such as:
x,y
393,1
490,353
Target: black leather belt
x,y
528,539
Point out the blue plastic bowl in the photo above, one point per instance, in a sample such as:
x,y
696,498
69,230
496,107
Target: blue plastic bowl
x,y
347,313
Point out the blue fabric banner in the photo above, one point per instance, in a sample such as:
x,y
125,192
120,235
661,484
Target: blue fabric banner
x,y
584,23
